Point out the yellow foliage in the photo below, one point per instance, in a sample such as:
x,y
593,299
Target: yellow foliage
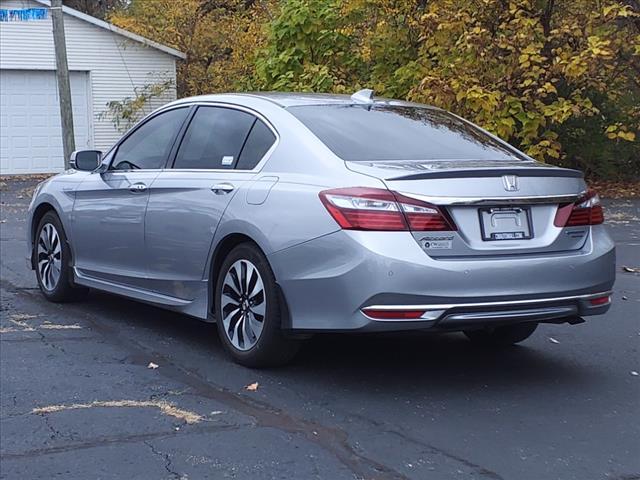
x,y
550,76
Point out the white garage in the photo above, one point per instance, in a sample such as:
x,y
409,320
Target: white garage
x,y
106,63
31,140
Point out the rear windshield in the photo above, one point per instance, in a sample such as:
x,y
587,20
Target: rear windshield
x,y
391,132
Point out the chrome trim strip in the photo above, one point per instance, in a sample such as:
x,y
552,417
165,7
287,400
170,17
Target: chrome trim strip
x,y
568,198
505,303
543,312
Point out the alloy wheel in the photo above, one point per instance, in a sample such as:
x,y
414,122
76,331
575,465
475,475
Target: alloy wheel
x,y
243,304
49,256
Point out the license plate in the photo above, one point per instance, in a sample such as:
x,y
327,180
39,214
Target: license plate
x,y
505,223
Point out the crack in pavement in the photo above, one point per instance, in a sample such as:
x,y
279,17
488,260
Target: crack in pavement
x,y
102,441
167,460
34,340
480,470
333,440
56,433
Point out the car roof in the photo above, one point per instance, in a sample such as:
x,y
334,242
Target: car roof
x,y
291,99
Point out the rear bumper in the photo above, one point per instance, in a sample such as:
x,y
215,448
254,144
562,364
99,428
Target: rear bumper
x,y
327,282
455,316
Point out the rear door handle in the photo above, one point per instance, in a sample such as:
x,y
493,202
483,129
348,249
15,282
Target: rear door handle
x,y
222,188
138,187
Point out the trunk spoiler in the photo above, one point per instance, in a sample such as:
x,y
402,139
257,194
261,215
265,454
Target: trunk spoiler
x,y
493,172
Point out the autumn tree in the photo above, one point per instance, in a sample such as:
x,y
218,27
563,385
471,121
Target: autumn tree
x,y
219,37
557,78
96,8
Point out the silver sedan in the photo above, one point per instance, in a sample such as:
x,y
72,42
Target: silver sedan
x,y
283,215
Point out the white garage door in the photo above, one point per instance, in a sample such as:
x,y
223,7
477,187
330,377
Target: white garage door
x,y
30,131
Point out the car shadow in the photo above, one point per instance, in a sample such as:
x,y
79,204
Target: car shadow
x,y
394,361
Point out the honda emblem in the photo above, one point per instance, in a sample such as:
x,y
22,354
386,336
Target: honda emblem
x,y
510,183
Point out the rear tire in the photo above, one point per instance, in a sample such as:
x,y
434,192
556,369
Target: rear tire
x,y
53,261
502,336
249,311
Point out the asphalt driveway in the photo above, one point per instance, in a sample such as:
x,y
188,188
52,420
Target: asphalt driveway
x,y
109,388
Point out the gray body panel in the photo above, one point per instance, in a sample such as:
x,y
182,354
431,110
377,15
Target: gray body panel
x,y
159,245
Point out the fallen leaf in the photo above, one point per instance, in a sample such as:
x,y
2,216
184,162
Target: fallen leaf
x,y
152,365
631,269
553,340
252,387
634,373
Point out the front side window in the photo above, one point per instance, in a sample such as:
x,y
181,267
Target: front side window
x,y
214,139
149,145
400,133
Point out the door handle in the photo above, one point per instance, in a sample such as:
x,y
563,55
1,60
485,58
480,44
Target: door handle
x,y
222,188
138,187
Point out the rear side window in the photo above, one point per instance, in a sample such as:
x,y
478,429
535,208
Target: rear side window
x,y
214,138
397,133
258,143
148,146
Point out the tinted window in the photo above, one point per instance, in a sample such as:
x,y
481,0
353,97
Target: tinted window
x,y
214,138
258,143
388,133
149,145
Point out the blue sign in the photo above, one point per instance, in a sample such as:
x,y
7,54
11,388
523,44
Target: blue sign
x,y
23,14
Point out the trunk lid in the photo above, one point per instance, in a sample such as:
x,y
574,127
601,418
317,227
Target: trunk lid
x,y
499,208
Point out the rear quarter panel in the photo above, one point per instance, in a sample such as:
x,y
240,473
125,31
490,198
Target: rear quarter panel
x,y
289,211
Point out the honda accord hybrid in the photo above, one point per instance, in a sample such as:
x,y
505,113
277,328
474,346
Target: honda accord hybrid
x,y
279,216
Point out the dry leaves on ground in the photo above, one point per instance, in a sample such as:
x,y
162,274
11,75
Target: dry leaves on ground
x,y
616,189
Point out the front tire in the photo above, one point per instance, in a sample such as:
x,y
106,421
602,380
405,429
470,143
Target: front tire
x,y
53,261
502,336
249,310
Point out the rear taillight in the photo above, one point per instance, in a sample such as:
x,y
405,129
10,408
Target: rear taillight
x,y
364,209
586,211
361,208
424,217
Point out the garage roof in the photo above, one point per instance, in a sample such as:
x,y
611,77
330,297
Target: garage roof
x,y
118,30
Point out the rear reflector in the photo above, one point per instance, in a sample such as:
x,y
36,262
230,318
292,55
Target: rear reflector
x,y
600,300
361,208
393,314
586,211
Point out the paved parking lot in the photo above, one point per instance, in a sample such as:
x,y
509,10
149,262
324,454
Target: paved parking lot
x,y
79,401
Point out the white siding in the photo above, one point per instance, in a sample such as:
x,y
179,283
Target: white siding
x,y
115,63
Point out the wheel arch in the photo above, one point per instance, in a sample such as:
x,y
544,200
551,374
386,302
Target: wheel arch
x,y
38,213
222,249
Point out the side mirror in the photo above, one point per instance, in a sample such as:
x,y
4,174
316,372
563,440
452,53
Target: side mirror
x,y
86,160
